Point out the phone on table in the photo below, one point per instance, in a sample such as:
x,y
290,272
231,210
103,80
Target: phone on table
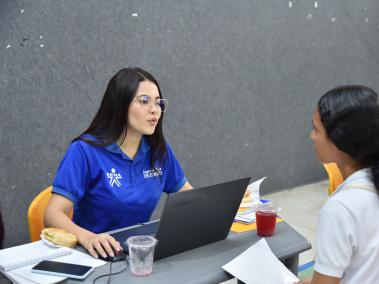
x,y
63,269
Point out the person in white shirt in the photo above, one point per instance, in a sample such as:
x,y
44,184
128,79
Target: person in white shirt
x,y
346,131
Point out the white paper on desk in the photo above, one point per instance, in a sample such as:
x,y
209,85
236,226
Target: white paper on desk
x,y
258,264
246,217
78,257
17,279
25,273
254,193
75,257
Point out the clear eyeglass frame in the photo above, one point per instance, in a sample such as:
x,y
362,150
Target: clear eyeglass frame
x,y
146,102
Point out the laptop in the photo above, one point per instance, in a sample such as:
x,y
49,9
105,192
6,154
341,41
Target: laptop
x,y
191,219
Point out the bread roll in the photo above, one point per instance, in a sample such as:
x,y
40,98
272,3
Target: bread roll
x,y
59,237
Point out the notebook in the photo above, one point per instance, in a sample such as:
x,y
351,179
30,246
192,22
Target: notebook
x,y
76,257
16,262
19,256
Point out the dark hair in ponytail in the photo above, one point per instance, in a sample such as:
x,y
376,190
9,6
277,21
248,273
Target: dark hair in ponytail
x,y
375,173
350,115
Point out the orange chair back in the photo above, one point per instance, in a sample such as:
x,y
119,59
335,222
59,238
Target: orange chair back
x,y
36,213
335,176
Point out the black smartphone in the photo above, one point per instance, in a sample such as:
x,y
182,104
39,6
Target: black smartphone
x,y
62,269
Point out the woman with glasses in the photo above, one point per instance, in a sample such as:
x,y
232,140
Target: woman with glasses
x,y
346,132
114,173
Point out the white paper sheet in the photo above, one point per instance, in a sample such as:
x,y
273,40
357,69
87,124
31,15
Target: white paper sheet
x,y
25,273
258,264
78,257
254,193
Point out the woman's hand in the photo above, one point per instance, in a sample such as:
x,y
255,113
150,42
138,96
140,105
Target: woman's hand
x,y
102,244
56,215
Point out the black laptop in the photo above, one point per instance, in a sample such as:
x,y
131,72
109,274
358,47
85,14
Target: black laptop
x,y
191,219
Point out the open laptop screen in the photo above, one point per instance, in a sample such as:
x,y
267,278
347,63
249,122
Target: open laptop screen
x,y
193,218
198,217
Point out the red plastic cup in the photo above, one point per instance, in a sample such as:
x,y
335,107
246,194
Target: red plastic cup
x,y
266,219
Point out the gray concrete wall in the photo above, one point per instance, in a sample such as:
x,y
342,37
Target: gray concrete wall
x,y
242,78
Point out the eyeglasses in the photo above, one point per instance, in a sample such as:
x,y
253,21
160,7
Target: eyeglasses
x,y
146,102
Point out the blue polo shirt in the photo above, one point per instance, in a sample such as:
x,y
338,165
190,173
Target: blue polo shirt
x,y
109,190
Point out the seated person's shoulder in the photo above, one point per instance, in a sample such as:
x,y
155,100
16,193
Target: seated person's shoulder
x,y
85,143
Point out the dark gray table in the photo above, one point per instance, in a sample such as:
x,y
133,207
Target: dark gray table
x,y
203,264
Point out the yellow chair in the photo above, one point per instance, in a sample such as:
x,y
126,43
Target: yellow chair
x,y
335,176
36,213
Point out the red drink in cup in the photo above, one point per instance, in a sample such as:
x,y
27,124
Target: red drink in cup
x,y
266,219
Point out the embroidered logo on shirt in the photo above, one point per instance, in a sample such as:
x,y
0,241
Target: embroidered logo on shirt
x,y
114,178
152,173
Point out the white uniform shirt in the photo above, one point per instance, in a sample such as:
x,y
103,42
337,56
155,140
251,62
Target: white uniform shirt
x,y
347,242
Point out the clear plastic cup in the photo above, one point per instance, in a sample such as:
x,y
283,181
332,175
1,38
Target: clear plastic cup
x,y
266,218
141,254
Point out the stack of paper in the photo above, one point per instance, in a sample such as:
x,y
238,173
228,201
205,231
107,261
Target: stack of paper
x,y
258,264
16,262
245,217
25,274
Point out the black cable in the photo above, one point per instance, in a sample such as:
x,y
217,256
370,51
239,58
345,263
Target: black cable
x,y
110,272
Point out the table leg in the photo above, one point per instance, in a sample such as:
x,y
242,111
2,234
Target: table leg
x,y
292,263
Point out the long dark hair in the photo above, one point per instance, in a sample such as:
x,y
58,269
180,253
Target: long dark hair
x,y
110,121
350,115
2,231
